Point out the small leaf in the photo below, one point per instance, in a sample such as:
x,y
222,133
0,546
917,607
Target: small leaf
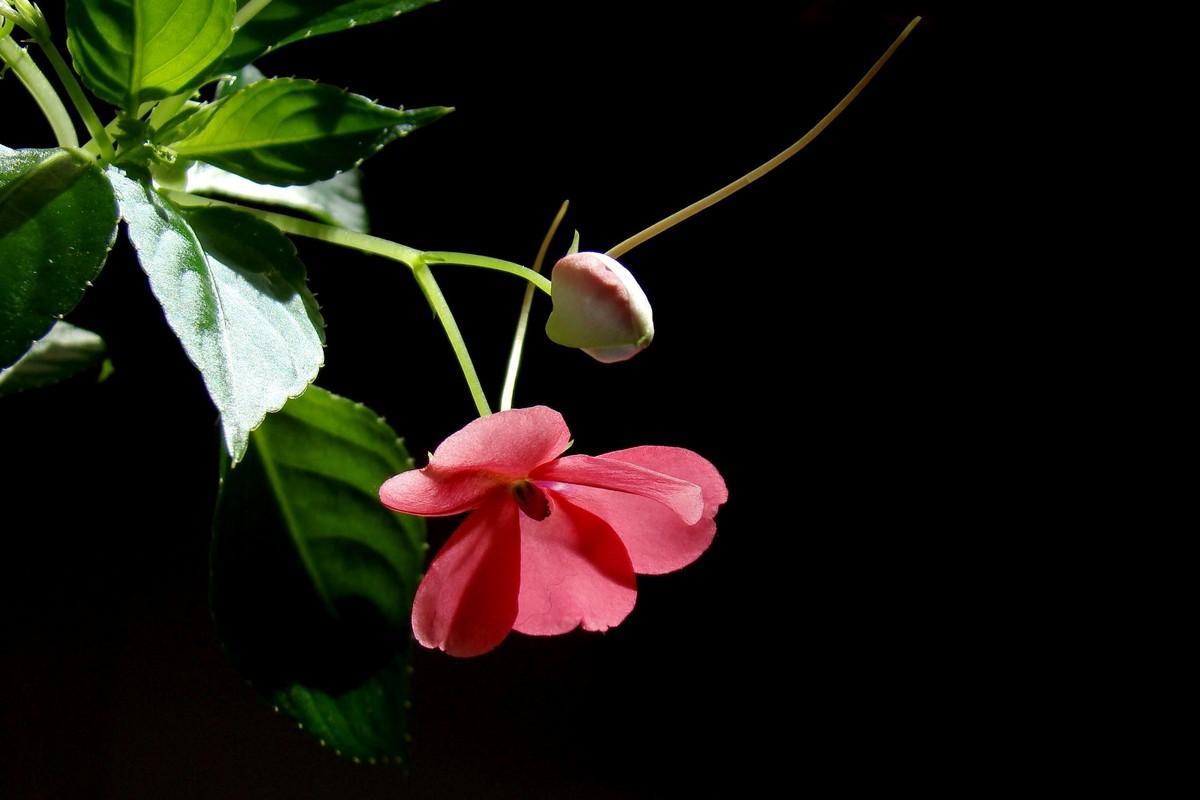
x,y
132,51
58,220
63,352
287,21
290,132
337,201
234,294
313,579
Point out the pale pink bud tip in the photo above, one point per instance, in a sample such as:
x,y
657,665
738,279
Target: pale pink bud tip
x,y
599,308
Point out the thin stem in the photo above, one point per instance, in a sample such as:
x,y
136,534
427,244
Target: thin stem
x,y
433,257
312,230
23,66
433,295
114,127
395,251
78,98
249,12
753,175
518,345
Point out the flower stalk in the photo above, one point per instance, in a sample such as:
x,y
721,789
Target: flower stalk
x,y
518,345
750,177
22,65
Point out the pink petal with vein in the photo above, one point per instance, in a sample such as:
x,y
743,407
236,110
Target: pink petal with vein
x,y
681,496
680,463
657,540
467,602
574,573
510,443
429,493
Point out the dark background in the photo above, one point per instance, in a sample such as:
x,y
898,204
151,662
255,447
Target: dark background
x,y
810,342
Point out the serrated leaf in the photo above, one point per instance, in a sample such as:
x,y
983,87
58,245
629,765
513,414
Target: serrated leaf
x,y
62,353
286,21
58,220
132,51
234,293
313,579
337,201
290,132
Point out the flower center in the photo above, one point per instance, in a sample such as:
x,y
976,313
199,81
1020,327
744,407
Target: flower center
x,y
532,500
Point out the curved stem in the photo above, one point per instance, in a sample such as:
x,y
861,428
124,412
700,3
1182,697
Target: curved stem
x,y
753,175
437,301
514,355
484,262
78,98
23,66
312,230
395,251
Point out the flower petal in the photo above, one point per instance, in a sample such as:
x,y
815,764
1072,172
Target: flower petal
x,y
467,602
510,443
574,572
657,540
680,463
683,497
429,493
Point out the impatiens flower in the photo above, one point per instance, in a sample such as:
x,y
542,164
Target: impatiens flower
x,y
599,308
552,543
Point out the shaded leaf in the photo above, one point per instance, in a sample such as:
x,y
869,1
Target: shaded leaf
x,y
287,21
290,132
58,220
337,201
234,293
132,51
63,352
313,579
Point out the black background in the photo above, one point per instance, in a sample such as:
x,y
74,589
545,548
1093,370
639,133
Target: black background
x,y
810,343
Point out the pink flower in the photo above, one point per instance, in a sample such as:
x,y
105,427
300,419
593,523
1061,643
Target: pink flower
x,y
551,543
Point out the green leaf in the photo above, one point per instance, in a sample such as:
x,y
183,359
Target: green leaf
x,y
286,21
63,352
337,201
132,51
58,220
234,293
313,579
290,132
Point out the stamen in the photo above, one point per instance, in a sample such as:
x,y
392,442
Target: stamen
x,y
532,500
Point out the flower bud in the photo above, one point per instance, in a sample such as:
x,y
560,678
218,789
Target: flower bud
x,y
599,308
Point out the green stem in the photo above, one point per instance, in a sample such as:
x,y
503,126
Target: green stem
x,y
471,260
518,345
23,66
753,175
113,128
249,12
395,251
312,230
433,295
78,98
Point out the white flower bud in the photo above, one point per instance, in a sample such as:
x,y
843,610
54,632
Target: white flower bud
x,y
599,308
